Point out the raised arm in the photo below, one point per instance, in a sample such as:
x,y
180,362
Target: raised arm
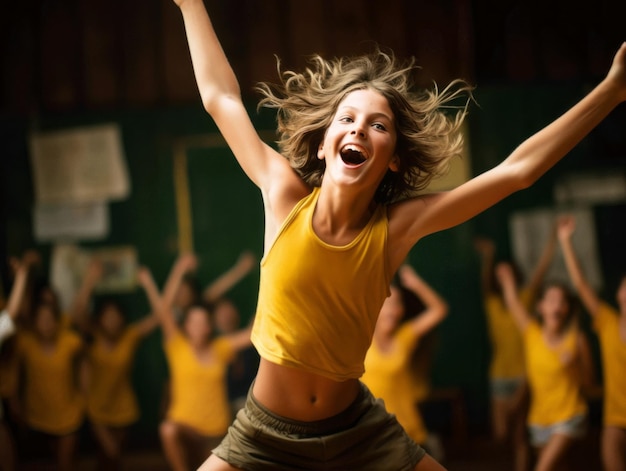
x,y
146,280
506,278
18,289
184,264
436,308
566,227
221,285
545,259
240,339
221,96
149,322
416,218
79,310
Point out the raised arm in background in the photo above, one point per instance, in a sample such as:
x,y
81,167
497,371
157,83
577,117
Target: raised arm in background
x,y
506,278
436,307
184,264
222,284
541,268
79,310
588,296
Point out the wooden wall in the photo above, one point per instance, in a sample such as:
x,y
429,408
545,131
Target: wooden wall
x,y
68,55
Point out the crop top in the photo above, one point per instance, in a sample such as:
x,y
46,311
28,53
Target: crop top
x,y
318,303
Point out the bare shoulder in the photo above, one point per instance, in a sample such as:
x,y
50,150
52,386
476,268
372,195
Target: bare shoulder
x,y
285,190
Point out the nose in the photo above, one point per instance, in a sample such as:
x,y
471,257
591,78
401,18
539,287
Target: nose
x,y
357,129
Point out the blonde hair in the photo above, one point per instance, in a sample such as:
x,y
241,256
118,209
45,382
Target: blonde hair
x,y
427,137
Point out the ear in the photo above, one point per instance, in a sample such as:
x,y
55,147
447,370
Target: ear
x,y
320,152
394,164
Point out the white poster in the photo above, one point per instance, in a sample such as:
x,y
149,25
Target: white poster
x,y
79,165
69,264
81,221
530,231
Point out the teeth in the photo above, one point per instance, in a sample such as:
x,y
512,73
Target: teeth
x,y
352,148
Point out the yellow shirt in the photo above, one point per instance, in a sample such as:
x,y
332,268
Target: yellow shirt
x,y
388,375
553,377
318,303
199,397
507,346
52,402
111,398
613,348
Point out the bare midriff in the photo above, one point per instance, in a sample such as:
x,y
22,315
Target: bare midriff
x,y
300,395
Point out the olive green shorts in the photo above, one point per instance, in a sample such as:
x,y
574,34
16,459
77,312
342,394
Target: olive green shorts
x,y
363,437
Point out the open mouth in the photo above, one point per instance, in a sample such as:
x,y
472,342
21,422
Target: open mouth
x,y
351,155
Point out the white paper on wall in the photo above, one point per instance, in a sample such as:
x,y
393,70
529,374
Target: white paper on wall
x,y
78,221
531,229
69,263
79,165
592,188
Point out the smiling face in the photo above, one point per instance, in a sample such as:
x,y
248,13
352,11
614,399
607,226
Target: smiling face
x,y
554,308
46,322
111,320
359,145
197,325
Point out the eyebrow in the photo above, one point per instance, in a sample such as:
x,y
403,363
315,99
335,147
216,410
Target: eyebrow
x,y
375,115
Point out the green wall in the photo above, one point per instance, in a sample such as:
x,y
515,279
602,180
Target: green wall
x,y
227,218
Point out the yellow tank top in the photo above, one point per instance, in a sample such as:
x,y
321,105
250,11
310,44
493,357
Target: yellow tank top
x,y
318,303
388,375
554,383
53,402
507,346
199,397
111,398
613,350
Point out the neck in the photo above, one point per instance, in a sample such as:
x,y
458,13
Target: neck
x,y
340,214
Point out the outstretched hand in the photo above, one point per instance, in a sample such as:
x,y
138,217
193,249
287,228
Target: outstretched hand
x,y
504,273
617,72
565,227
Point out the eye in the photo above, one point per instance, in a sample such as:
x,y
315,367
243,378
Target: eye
x,y
345,119
379,126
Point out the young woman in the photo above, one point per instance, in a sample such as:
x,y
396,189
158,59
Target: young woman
x,y
508,388
610,325
111,403
340,218
8,317
388,373
558,367
199,412
52,404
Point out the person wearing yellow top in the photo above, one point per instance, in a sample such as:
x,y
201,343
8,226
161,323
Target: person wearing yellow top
x,y
199,412
8,317
558,365
111,402
610,326
507,382
342,210
388,370
52,402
